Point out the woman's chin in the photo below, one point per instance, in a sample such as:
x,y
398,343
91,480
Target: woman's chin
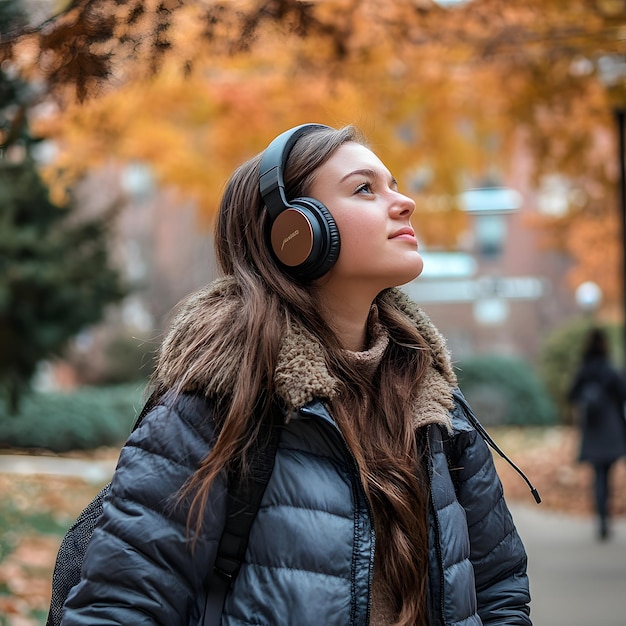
x,y
413,272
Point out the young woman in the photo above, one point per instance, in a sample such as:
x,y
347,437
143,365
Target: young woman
x,y
383,506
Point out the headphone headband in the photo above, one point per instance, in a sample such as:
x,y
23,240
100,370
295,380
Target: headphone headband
x,y
271,182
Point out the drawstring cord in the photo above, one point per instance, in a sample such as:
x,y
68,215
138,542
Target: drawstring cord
x,y
487,437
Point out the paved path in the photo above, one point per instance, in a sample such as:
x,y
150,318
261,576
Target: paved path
x,y
575,579
92,471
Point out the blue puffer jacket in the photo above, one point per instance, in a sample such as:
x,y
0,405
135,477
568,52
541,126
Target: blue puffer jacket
x,y
312,546
311,552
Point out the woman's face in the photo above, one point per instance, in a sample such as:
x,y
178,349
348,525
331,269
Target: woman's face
x,y
378,244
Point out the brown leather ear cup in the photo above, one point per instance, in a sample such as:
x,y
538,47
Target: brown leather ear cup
x,y
305,239
301,233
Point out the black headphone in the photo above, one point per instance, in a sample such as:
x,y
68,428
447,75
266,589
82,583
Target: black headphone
x,y
302,234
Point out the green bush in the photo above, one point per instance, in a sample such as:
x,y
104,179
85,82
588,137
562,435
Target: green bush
x,y
85,419
128,359
505,391
560,356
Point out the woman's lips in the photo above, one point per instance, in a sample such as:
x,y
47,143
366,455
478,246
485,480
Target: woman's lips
x,y
407,234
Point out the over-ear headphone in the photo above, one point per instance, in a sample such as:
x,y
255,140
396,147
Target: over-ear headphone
x,y
303,235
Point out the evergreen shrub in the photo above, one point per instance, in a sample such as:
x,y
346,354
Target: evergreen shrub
x,y
505,390
85,419
129,359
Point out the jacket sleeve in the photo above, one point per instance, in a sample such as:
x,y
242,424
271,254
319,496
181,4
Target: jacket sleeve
x,y
496,550
573,390
617,384
139,567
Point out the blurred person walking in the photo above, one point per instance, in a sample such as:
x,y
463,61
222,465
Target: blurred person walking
x,y
598,393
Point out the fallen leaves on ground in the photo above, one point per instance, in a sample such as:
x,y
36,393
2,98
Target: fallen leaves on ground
x,y
34,513
548,457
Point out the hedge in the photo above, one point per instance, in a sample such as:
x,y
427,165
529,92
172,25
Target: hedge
x,y
87,418
505,391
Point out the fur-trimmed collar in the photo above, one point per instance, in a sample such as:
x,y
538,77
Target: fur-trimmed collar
x,y
301,374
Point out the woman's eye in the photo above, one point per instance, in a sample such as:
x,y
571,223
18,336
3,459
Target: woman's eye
x,y
364,188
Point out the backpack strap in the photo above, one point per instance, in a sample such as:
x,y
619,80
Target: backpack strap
x,y
151,402
243,502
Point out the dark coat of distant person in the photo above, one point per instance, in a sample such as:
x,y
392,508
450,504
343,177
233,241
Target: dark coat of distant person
x,y
603,439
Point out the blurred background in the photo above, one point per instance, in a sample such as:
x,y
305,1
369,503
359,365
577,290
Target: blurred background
x,y
120,121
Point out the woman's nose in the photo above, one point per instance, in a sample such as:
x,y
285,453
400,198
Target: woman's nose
x,y
403,205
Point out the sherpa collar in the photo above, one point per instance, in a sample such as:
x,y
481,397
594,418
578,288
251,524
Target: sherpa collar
x,y
301,374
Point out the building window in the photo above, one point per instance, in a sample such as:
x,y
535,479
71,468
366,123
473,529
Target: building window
x,y
490,235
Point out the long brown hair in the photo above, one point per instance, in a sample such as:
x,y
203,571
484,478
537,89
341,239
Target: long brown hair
x,y
373,414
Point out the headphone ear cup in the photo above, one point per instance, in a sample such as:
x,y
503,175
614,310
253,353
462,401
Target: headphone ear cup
x,y
305,239
331,242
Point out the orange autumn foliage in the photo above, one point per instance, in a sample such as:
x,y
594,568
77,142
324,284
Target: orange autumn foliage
x,y
449,98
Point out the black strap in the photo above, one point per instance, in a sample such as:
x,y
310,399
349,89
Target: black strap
x,y
151,402
243,502
244,499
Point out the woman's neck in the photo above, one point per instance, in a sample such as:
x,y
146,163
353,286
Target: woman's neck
x,y
348,318
352,333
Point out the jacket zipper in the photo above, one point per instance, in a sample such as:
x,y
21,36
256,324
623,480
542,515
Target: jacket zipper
x,y
356,485
437,530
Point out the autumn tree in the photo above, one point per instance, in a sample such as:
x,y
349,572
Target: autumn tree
x,y
450,97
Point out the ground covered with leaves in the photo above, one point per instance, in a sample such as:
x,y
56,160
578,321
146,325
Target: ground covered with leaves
x,y
36,510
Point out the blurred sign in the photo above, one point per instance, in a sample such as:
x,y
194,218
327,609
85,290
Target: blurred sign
x,y
468,290
450,3
448,264
490,200
491,311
